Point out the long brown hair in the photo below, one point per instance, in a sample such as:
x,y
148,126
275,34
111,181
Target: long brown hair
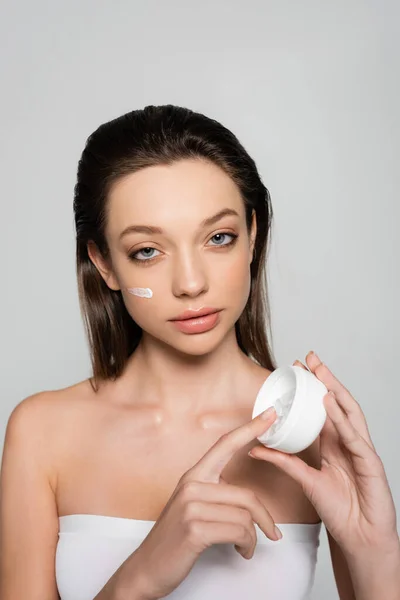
x,y
160,135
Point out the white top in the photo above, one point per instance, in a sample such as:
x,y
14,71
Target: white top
x,y
91,548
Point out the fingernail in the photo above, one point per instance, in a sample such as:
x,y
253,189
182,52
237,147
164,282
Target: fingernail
x,y
250,453
278,533
267,413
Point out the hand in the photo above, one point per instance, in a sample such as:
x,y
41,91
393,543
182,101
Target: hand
x,y
201,512
350,492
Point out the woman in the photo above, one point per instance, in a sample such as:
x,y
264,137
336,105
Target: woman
x,y
137,482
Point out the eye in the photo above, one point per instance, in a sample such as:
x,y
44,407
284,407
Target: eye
x,y
147,252
146,255
219,237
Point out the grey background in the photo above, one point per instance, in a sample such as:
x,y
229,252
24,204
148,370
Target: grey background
x,y
311,89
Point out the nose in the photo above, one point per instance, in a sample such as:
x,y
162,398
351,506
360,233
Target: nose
x,y
189,276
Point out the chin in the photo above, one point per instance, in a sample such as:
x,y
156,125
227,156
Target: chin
x,y
200,344
198,347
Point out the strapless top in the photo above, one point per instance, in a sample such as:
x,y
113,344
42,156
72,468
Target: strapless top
x,y
91,548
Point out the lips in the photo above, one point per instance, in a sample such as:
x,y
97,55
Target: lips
x,y
199,323
193,314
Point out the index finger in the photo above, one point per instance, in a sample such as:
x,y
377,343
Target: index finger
x,y
210,466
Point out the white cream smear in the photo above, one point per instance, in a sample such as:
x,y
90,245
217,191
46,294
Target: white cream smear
x,y
141,292
282,405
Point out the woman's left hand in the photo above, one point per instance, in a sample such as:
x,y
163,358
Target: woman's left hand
x,y
350,492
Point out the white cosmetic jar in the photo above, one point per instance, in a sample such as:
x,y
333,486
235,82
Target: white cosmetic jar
x,y
297,395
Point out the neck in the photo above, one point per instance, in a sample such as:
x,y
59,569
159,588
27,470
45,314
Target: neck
x,y
179,384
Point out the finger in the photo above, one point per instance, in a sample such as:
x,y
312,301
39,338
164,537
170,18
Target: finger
x,y
329,441
346,401
324,374
214,532
297,363
209,511
240,497
329,437
221,513
358,447
210,466
292,465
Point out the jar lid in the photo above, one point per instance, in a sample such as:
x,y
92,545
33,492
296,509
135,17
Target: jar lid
x,y
297,395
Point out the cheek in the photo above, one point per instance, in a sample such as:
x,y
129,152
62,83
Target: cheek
x,y
144,311
234,287
139,305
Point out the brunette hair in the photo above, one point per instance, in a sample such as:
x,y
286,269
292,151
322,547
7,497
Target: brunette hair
x,y
160,135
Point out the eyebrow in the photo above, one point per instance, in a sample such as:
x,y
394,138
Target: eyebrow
x,y
150,229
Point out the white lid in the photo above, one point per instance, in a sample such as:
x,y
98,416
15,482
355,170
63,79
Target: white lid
x,y
297,395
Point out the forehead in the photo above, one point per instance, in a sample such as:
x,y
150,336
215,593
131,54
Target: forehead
x,y
185,192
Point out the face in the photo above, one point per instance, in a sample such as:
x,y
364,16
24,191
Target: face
x,y
190,246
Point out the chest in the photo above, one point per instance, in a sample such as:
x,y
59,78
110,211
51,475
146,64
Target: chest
x,y
128,466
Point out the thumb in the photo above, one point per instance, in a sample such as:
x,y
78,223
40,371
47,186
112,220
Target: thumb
x,y
290,464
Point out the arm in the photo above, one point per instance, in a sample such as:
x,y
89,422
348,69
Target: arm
x,y
29,523
351,493
341,571
312,457
376,576
372,577
125,584
28,514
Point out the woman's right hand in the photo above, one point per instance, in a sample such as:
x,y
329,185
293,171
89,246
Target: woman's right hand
x,y
202,512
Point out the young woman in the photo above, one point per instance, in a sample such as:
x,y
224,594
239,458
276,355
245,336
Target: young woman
x,y
136,483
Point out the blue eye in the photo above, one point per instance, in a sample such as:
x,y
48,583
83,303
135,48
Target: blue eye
x,y
147,254
223,235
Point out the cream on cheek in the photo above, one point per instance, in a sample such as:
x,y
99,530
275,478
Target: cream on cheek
x,y
140,292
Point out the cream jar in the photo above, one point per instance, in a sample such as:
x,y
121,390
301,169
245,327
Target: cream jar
x,y
297,396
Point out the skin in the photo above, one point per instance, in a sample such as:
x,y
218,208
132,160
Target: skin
x,y
195,388
74,451
188,270
351,493
191,388
350,490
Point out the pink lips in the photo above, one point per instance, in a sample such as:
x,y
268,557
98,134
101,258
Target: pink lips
x,y
192,321
192,313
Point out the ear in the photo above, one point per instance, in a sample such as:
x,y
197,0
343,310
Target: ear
x,y
102,266
253,234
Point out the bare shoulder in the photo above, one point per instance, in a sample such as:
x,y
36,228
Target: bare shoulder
x,y
35,423
43,409
41,405
28,508
29,420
